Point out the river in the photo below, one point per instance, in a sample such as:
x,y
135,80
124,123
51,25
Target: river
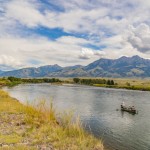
x,y
97,109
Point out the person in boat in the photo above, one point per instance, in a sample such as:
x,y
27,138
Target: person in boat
x,y
129,107
132,108
122,105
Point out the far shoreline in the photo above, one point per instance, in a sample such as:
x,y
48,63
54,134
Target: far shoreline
x,y
115,83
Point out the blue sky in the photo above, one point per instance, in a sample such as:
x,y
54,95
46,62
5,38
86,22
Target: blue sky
x,y
70,32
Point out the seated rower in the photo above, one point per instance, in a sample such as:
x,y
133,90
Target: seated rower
x,y
133,108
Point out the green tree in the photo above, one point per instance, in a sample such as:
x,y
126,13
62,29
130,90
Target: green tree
x,y
112,82
76,80
108,82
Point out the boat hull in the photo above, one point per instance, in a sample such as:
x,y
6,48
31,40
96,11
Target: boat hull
x,y
129,109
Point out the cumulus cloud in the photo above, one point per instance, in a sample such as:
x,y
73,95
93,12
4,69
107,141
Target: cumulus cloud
x,y
139,37
86,53
9,61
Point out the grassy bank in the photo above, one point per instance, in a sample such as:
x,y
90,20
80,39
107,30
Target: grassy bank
x,y
130,84
119,83
27,127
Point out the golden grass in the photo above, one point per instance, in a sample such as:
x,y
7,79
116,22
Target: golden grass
x,y
44,126
9,105
10,139
127,83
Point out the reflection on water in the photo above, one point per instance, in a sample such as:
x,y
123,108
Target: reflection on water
x,y
97,108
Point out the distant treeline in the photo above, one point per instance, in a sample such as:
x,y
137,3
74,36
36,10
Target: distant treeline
x,y
11,81
34,80
93,81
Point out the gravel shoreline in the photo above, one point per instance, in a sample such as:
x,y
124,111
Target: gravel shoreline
x,y
13,126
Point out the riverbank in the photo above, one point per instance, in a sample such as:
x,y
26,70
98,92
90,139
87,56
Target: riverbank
x,y
137,88
117,83
129,84
27,127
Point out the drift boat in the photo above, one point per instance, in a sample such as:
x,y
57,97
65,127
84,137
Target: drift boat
x,y
129,109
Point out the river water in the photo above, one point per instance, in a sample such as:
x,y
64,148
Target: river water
x,y
97,109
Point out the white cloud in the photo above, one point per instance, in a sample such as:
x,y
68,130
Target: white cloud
x,y
113,42
25,12
139,37
100,53
86,53
112,24
9,61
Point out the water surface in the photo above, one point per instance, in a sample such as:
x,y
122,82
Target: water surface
x,y
97,109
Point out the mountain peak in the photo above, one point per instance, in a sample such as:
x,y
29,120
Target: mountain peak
x,y
123,57
136,57
133,58
55,65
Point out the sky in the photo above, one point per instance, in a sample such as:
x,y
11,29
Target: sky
x,y
71,32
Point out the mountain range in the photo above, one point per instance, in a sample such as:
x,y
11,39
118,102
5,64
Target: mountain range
x,y
122,67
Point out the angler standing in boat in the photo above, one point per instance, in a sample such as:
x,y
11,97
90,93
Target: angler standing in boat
x,y
122,105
